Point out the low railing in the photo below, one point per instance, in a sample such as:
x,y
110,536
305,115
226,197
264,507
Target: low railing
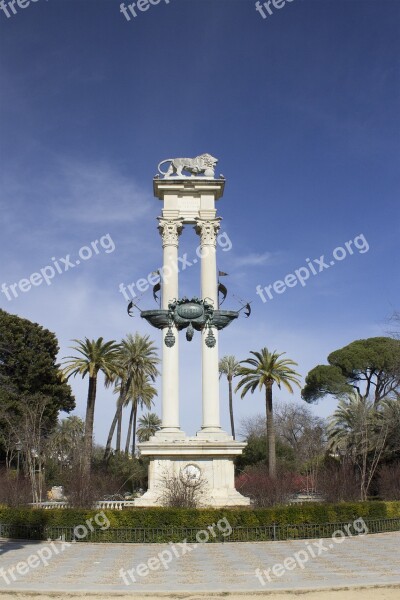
x,y
143,535
304,497
104,504
114,504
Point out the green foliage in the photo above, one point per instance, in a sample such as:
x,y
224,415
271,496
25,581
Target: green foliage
x,y
149,424
323,380
28,361
372,354
370,366
229,366
201,518
136,371
354,427
266,369
131,470
28,368
391,411
93,356
255,454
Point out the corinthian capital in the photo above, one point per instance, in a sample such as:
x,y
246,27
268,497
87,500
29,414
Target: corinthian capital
x,y
170,230
207,229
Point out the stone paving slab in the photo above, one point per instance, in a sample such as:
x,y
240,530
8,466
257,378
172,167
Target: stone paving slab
x,y
229,567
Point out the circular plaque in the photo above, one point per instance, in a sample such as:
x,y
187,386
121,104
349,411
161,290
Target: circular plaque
x,y
191,474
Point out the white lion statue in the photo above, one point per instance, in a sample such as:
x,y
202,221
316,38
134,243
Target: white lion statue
x,y
205,163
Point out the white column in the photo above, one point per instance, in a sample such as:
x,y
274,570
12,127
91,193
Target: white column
x,y
208,229
170,231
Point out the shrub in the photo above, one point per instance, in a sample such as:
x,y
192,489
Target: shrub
x,y
255,483
83,490
14,490
179,492
389,482
161,518
339,482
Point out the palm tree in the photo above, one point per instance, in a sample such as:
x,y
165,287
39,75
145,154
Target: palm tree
x,y
264,370
136,361
148,425
358,430
348,424
66,441
96,355
141,394
229,366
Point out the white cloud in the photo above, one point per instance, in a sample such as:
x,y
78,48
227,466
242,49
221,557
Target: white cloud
x,y
71,191
96,193
254,259
72,204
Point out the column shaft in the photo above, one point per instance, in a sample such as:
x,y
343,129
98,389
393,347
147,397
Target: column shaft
x,y
170,231
210,359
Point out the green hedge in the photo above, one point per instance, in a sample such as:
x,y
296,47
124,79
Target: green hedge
x,y
200,518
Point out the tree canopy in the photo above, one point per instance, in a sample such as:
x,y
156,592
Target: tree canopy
x,y
28,366
370,367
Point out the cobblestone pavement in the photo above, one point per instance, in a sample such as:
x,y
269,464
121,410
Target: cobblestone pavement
x,y
228,567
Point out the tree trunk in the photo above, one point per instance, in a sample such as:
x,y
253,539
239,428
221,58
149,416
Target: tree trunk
x,y
122,399
119,432
270,431
32,477
231,407
116,420
129,434
88,443
134,430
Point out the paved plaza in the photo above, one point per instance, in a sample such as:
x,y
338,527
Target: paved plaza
x,y
227,567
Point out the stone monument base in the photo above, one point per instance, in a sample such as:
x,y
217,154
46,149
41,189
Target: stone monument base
x,y
209,454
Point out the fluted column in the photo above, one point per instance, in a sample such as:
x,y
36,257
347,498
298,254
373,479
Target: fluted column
x,y
170,230
208,229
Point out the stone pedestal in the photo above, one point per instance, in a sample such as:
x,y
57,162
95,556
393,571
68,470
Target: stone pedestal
x,y
214,459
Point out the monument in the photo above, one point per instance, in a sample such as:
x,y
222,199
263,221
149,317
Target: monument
x,y
190,200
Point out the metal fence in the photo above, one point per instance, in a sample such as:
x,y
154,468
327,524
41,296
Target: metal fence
x,y
143,535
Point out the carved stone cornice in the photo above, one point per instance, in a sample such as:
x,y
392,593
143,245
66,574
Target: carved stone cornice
x,y
208,229
170,230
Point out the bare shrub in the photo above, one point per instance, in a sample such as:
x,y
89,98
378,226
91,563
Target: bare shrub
x,y
181,492
263,490
80,488
108,480
389,482
14,490
339,482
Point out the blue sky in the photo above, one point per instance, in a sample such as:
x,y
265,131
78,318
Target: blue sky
x,y
302,110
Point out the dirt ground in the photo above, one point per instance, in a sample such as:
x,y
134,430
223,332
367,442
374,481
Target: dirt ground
x,y
371,593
